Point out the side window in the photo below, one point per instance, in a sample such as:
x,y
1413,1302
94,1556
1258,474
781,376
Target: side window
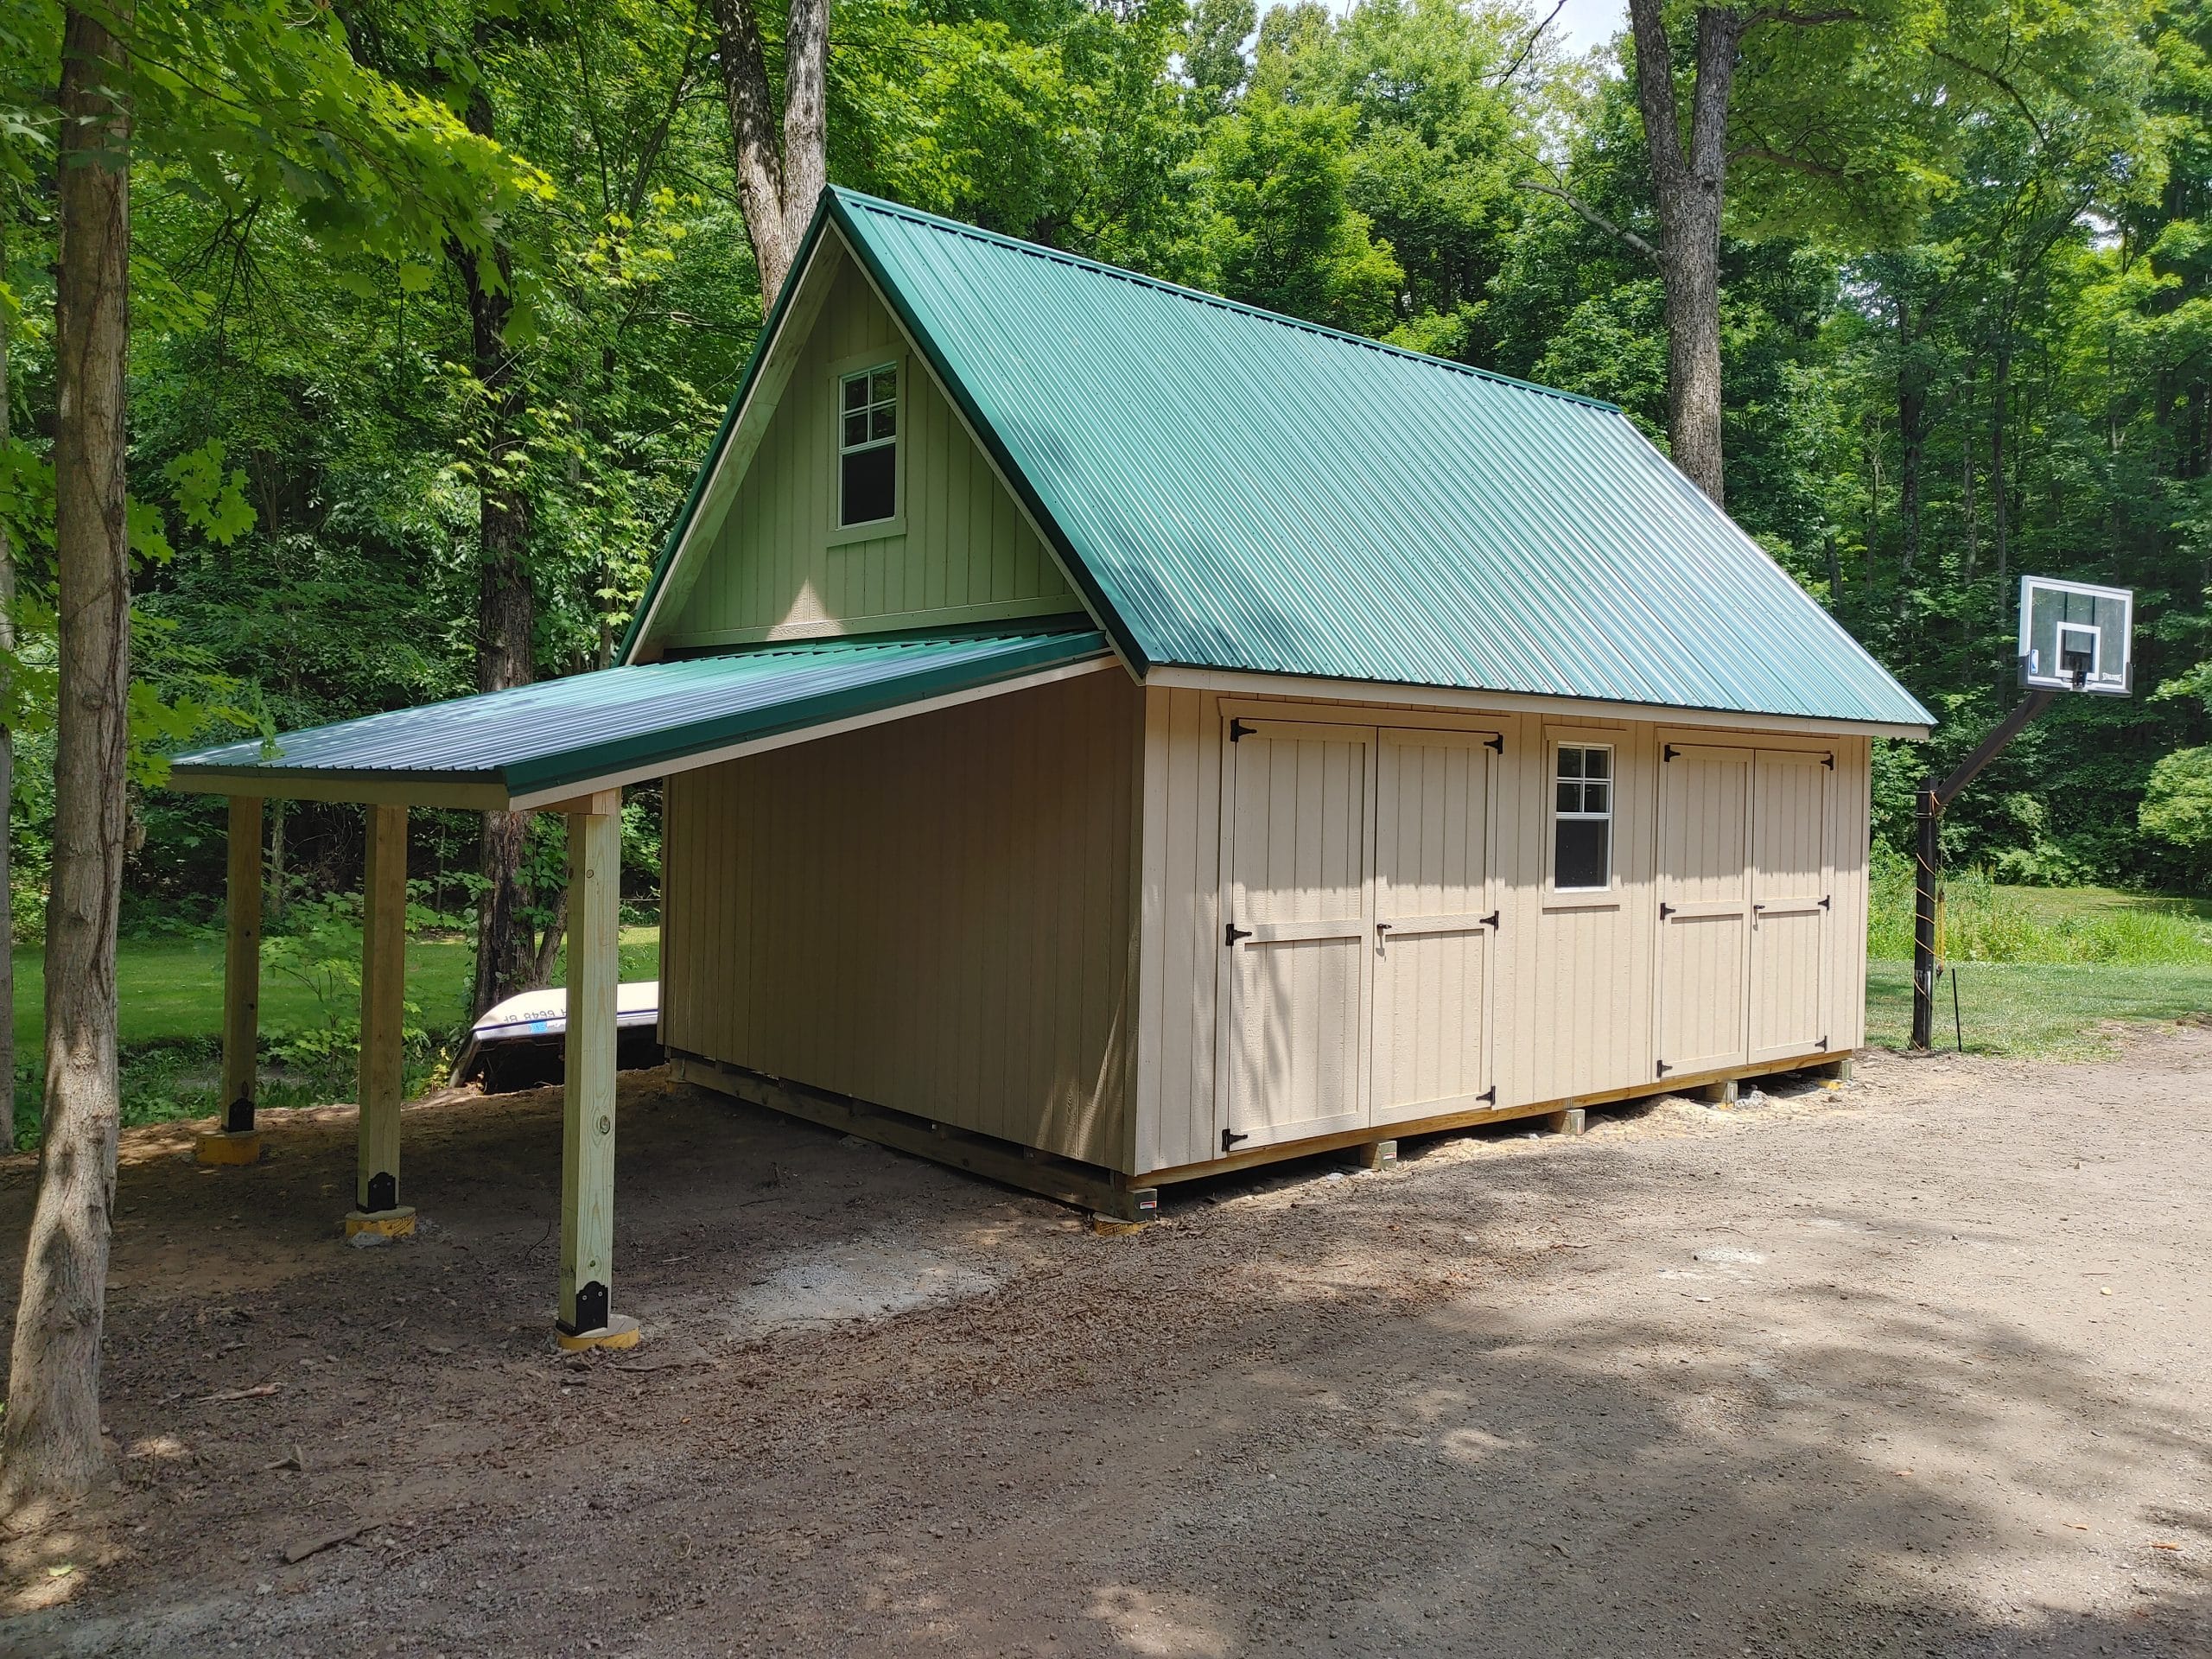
x,y
868,445
1582,818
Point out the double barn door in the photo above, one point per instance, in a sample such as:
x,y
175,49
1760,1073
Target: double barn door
x,y
1745,879
1361,910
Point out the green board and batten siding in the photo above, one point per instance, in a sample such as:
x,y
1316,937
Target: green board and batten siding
x,y
774,563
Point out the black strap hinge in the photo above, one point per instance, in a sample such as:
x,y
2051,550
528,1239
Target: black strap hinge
x,y
1826,900
1240,729
1490,921
1233,933
1669,753
1664,1068
1495,742
1489,1095
1230,1138
1828,759
1824,1042
1665,909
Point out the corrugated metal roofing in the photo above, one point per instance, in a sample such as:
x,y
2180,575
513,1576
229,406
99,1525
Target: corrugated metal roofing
x,y
568,732
1236,489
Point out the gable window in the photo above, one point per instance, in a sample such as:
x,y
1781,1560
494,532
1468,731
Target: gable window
x,y
868,445
1582,818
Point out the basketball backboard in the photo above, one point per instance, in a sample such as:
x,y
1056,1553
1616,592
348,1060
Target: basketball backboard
x,y
2074,637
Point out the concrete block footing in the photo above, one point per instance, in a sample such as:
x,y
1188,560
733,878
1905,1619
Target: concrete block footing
x,y
619,1331
1567,1121
1374,1155
227,1148
396,1223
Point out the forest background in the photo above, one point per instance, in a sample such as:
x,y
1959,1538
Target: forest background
x,y
1966,332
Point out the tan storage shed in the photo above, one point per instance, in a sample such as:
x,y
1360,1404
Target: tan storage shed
x,y
1111,734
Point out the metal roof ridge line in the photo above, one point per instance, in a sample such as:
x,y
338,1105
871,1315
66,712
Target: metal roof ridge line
x,y
852,197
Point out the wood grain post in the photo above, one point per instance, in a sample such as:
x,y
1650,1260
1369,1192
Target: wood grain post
x,y
586,1319
383,990
237,1141
242,964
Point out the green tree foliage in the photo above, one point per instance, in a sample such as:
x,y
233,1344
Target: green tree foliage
x,y
1964,314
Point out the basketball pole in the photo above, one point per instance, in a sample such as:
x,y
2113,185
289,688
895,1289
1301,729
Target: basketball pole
x,y
1928,854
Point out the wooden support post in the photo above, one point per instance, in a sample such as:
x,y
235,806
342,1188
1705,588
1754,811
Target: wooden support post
x,y
588,1117
1837,1070
384,1011
238,1141
1567,1121
1718,1093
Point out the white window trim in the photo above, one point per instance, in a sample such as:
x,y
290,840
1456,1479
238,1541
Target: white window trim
x,y
1608,894
875,530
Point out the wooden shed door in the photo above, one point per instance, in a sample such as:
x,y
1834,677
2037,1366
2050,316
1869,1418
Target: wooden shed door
x,y
1790,882
1300,929
1705,907
1435,916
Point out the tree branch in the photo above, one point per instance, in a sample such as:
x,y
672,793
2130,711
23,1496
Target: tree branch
x,y
1783,158
1996,81
1527,46
1593,216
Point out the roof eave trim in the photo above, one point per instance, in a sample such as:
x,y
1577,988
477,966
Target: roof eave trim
x,y
1103,602
1260,682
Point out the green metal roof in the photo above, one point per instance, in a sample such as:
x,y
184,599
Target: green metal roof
x,y
1230,489
563,734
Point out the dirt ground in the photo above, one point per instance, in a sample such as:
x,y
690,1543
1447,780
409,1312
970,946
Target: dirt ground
x,y
1923,1366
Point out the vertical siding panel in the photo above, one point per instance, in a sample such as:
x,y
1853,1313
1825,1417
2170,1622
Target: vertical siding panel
x,y
1160,927
937,923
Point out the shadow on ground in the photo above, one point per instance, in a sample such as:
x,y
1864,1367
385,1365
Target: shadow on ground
x,y
1798,1380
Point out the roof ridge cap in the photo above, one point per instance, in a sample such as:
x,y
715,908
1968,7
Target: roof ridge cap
x,y
845,195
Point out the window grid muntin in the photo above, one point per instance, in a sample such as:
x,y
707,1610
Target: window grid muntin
x,y
868,404
868,425
1582,794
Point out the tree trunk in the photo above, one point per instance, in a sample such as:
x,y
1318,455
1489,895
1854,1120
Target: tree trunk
x,y
781,166
1999,503
1689,186
1912,448
52,1441
506,610
7,748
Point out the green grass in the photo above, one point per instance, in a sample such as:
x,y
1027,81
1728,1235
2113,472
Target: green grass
x,y
171,1014
2041,971
171,990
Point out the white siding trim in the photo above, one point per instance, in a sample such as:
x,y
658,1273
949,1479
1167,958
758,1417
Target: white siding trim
x,y
1300,688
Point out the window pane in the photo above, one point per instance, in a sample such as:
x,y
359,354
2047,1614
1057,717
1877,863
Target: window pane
x,y
1597,763
883,386
1581,853
856,393
856,429
1570,797
881,421
871,484
1570,763
1595,798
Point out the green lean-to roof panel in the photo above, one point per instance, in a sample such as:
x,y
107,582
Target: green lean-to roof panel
x,y
631,720
1236,489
